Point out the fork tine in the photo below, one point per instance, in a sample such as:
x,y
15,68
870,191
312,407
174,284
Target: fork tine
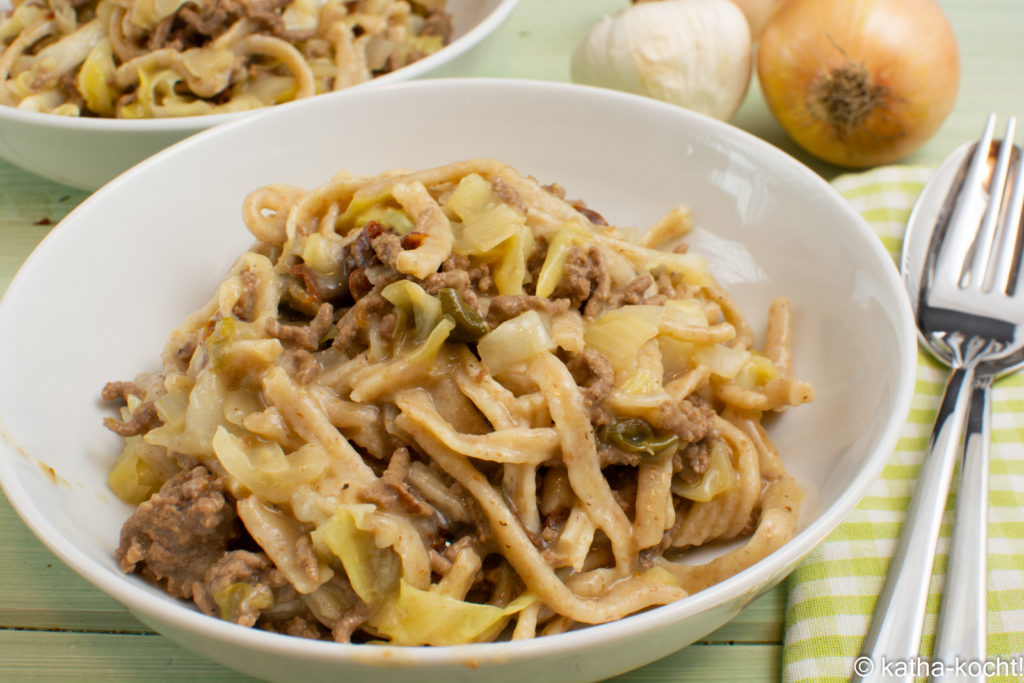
x,y
964,221
1012,237
981,275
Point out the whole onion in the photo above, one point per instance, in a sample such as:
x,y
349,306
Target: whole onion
x,y
859,83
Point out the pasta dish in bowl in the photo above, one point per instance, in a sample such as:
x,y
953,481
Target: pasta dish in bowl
x,y
147,58
89,88
517,398
428,403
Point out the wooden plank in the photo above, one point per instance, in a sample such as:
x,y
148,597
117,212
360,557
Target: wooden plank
x,y
41,592
40,656
712,663
37,656
759,623
29,207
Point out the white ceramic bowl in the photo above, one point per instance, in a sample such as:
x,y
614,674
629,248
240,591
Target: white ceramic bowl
x,y
97,299
87,152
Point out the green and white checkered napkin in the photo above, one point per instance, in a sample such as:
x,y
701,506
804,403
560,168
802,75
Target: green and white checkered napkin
x,y
832,594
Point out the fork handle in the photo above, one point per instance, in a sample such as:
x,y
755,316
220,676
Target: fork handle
x,y
895,634
962,629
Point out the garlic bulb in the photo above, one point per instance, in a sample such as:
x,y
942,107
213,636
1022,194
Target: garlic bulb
x,y
693,53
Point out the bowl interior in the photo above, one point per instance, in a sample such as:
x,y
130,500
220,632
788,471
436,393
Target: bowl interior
x,y
96,301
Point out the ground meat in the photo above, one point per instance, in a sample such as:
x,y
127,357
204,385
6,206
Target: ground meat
x,y
576,282
160,35
535,261
144,417
479,277
349,623
665,291
387,246
438,23
508,194
214,18
183,354
120,391
578,204
691,422
505,584
604,299
555,189
481,280
361,252
243,306
588,284
455,262
593,371
392,490
459,280
306,337
147,386
508,306
631,294
586,279
354,323
610,457
69,85
304,366
375,246
691,462
237,567
552,526
173,538
593,216
301,627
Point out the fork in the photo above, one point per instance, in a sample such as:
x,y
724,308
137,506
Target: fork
x,y
970,315
960,632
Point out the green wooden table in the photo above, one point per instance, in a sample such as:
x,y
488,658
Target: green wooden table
x,y
55,626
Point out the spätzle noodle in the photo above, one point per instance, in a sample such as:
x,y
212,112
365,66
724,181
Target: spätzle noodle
x,y
448,406
166,58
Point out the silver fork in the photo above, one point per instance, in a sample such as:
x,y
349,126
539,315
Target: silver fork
x,y
961,631
970,315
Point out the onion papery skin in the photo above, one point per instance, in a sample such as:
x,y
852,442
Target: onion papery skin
x,y
898,58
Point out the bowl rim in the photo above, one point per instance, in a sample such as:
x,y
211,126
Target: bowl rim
x,y
750,582
475,35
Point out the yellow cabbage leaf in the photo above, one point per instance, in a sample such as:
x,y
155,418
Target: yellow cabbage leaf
x,y
96,79
619,333
373,572
429,617
140,471
724,361
758,371
551,273
487,221
511,271
514,341
262,466
719,477
408,297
